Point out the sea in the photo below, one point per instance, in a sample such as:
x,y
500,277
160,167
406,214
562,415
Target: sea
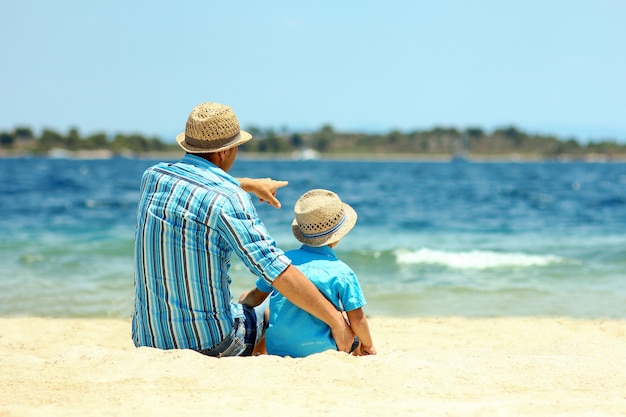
x,y
453,238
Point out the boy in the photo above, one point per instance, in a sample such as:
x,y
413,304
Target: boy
x,y
321,221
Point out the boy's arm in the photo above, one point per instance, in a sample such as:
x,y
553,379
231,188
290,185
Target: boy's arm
x,y
360,326
253,297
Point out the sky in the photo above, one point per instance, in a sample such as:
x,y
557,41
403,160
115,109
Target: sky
x,y
554,67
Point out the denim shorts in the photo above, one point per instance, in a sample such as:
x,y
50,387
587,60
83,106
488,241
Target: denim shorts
x,y
245,334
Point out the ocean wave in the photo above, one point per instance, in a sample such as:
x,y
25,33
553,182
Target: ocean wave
x,y
475,259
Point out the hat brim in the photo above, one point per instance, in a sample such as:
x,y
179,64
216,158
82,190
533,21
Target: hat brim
x,y
241,138
348,224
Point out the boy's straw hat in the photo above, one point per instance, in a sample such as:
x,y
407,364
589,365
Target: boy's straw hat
x,y
321,218
211,127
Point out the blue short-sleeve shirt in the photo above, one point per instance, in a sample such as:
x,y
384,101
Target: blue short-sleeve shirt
x,y
296,333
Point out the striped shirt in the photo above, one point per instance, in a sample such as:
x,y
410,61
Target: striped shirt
x,y
191,217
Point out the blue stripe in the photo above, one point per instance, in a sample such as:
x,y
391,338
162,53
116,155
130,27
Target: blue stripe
x,y
327,232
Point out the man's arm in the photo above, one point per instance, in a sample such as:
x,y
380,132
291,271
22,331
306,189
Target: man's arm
x,y
303,293
263,188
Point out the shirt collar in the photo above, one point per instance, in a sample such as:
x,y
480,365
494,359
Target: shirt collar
x,y
202,163
321,250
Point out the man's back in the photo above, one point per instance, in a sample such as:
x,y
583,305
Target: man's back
x,y
190,218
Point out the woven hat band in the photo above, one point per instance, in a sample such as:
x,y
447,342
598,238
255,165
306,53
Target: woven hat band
x,y
326,232
209,144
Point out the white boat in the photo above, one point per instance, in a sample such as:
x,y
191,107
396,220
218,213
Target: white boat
x,y
306,154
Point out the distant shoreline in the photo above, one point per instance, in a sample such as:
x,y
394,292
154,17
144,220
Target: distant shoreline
x,y
103,154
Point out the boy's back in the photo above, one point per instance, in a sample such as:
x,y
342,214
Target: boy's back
x,y
321,221
292,331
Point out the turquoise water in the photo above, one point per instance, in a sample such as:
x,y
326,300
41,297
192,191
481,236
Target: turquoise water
x,y
470,239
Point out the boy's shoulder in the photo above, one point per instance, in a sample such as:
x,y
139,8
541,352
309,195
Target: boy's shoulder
x,y
306,259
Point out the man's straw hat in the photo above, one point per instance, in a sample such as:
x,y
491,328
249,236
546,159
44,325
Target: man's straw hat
x,y
321,218
211,127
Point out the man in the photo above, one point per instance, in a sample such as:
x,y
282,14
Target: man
x,y
192,215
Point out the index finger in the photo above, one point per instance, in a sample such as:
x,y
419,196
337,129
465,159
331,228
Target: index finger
x,y
280,184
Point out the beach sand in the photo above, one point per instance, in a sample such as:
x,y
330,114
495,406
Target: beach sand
x,y
425,366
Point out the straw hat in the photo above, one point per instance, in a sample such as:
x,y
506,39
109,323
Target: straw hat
x,y
321,218
211,127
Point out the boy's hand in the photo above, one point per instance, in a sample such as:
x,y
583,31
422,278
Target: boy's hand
x,y
367,350
253,297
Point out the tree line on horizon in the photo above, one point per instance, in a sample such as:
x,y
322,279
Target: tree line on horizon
x,y
326,140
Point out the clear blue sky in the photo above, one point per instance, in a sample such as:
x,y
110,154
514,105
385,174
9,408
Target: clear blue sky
x,y
552,67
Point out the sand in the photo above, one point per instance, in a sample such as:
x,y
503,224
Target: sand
x,y
425,366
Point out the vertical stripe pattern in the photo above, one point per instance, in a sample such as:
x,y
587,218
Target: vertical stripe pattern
x,y
191,217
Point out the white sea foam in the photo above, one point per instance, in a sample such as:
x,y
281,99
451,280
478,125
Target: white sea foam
x,y
476,259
